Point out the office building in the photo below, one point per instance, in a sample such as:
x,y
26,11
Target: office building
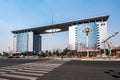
x,y
98,33
29,40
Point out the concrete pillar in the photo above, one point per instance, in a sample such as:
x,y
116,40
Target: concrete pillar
x,y
15,42
30,41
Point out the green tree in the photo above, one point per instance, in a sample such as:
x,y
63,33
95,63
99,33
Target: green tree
x,y
65,51
42,54
49,53
0,54
5,54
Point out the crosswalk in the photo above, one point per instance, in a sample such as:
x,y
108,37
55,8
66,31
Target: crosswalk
x,y
29,71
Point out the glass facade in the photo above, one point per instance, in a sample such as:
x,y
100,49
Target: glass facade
x,y
80,39
37,43
30,40
22,42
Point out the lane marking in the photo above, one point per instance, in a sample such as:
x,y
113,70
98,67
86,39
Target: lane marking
x,y
15,68
32,74
38,69
10,68
2,72
19,76
7,70
3,79
41,67
32,71
23,71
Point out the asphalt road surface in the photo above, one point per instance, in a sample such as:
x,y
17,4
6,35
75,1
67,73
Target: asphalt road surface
x,y
52,69
15,61
85,70
27,69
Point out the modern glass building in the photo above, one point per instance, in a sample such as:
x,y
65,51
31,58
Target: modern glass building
x,y
29,40
77,36
22,42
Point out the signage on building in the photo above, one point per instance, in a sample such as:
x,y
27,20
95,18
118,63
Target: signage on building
x,y
103,24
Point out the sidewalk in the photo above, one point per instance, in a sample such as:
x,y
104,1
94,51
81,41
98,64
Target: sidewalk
x,y
90,59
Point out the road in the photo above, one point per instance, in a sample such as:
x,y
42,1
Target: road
x,y
52,69
15,61
85,70
27,69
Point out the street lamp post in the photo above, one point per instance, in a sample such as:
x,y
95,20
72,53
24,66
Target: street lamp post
x,y
87,30
115,33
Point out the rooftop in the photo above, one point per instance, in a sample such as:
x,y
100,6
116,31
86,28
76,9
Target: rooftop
x,y
62,26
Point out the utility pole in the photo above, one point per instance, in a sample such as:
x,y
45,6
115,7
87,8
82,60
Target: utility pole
x,y
115,33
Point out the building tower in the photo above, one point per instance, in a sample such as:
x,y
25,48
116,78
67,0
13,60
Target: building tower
x,y
27,42
77,38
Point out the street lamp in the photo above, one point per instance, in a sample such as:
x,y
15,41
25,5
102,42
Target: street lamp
x,y
115,33
87,30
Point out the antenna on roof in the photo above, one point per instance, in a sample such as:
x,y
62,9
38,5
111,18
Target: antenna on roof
x,y
52,19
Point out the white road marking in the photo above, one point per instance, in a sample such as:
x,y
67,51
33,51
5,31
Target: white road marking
x,y
9,68
32,71
23,71
19,76
33,68
3,79
41,67
2,72
38,69
32,74
6,70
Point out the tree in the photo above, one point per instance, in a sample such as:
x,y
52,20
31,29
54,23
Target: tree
x,y
49,53
0,54
42,54
65,51
5,54
46,52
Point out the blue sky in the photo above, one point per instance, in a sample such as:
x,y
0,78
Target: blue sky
x,y
20,14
